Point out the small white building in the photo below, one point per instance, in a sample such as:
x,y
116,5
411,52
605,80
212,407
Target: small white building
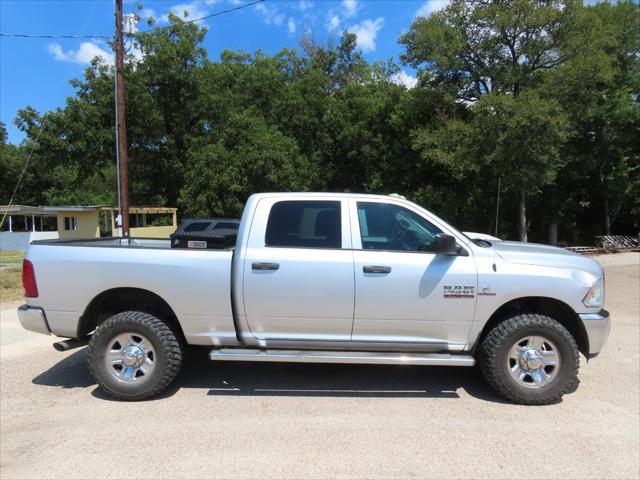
x,y
24,224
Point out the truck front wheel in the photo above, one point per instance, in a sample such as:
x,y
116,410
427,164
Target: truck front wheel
x,y
530,359
134,356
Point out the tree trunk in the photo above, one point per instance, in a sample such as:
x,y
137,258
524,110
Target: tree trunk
x,y
607,217
523,217
553,233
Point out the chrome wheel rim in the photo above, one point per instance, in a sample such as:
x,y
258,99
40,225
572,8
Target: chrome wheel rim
x,y
533,361
130,357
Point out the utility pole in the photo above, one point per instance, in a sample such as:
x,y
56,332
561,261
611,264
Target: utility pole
x,y
121,125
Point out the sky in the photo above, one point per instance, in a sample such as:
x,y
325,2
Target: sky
x,y
36,72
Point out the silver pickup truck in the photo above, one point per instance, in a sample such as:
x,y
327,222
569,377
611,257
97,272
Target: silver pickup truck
x,y
325,278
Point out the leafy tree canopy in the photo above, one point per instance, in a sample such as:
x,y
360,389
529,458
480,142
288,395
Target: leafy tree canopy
x,y
541,94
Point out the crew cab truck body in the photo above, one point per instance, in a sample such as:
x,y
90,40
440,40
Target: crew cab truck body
x,y
332,278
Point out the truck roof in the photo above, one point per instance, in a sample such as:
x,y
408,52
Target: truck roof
x,y
327,194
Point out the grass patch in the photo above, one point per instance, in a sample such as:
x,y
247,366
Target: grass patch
x,y
11,256
11,284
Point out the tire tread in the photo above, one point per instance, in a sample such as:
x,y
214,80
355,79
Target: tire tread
x,y
495,341
169,343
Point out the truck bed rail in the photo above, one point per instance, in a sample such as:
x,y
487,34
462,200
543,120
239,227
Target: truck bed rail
x,y
116,242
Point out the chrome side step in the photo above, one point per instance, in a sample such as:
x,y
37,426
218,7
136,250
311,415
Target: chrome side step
x,y
315,356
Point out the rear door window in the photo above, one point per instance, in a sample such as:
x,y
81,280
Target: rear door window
x,y
304,224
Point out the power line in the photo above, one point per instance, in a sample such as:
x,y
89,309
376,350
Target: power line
x,y
211,15
24,169
25,35
81,35
110,37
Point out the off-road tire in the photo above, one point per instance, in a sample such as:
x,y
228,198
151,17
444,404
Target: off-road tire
x,y
494,363
167,348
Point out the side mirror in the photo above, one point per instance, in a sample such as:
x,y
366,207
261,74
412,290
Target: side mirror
x,y
444,244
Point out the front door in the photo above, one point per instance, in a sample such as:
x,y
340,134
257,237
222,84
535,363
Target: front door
x,y
405,294
298,272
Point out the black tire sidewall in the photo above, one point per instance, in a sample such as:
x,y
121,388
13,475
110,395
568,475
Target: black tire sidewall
x,y
567,364
135,323
495,365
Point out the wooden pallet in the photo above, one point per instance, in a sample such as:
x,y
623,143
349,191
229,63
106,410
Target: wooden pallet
x,y
618,242
585,250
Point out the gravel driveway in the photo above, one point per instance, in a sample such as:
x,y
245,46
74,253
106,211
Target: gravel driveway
x,y
248,420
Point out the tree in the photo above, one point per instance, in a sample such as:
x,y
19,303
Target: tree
x,y
600,92
162,92
13,160
248,157
478,48
543,94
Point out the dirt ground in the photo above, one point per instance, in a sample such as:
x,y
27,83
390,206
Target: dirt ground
x,y
312,421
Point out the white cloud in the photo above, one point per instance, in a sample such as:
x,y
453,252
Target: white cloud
x,y
431,6
403,78
192,11
210,2
366,33
334,22
291,25
349,7
83,55
270,15
304,5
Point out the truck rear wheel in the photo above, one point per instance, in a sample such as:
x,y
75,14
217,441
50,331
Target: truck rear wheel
x,y
530,359
134,356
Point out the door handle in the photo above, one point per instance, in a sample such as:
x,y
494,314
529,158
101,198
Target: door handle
x,y
376,269
265,266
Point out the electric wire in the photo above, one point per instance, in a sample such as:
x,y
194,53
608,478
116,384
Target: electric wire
x,y
103,37
28,35
110,37
24,169
211,15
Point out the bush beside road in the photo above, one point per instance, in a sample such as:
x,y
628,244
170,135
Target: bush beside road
x,y
248,420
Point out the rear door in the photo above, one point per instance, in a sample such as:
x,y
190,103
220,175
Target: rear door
x,y
298,271
406,296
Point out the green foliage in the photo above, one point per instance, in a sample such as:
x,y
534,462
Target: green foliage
x,y
540,93
527,71
250,156
502,46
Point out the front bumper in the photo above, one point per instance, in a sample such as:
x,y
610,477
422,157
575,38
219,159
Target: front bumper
x,y
598,326
34,319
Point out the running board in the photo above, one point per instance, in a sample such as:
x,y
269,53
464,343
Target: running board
x,y
314,356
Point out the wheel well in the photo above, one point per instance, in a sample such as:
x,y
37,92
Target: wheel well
x,y
117,300
556,309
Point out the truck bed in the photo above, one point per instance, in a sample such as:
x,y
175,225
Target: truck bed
x,y
195,283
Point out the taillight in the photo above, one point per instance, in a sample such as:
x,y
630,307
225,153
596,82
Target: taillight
x,y
29,279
